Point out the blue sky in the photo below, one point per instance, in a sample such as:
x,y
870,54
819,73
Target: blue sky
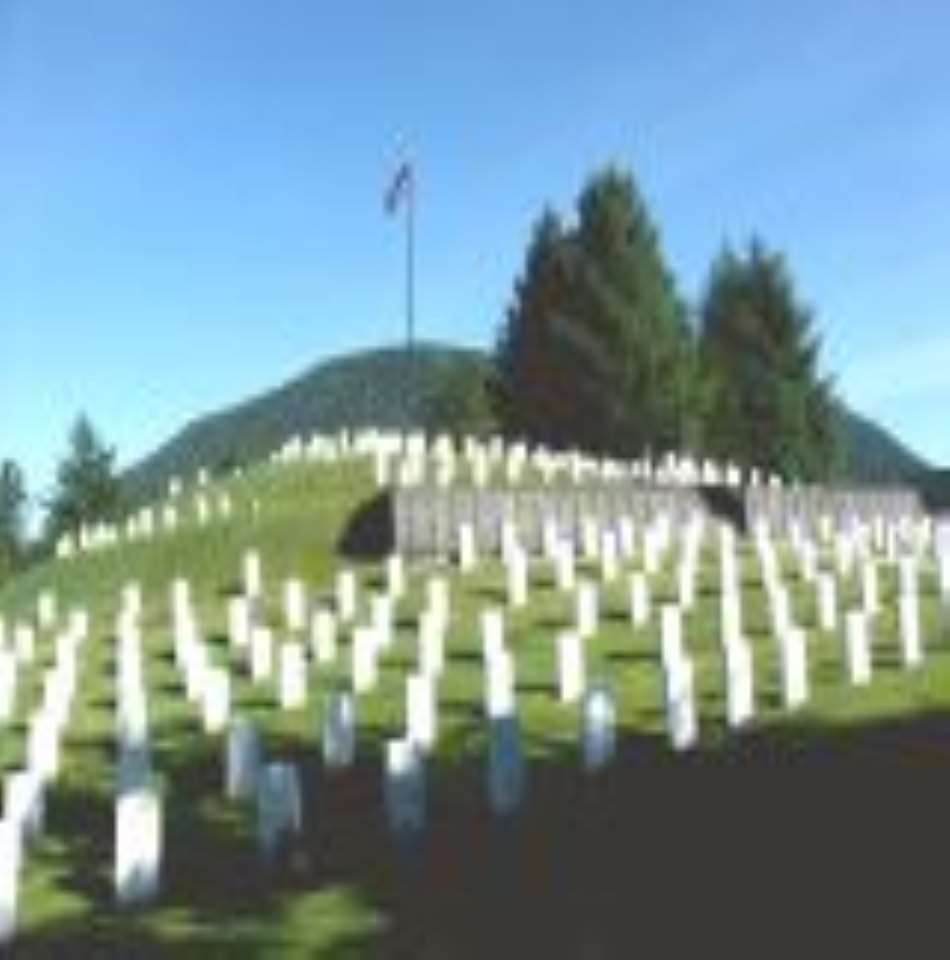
x,y
190,192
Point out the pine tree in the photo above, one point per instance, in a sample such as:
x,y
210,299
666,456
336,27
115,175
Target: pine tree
x,y
770,406
532,388
87,489
12,501
597,351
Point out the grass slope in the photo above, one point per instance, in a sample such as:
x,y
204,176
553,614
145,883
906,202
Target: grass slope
x,y
661,846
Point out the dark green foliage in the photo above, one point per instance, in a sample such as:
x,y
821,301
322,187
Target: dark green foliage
x,y
87,488
769,406
12,502
460,402
596,351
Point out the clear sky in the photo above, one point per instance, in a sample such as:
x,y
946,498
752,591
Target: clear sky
x,y
191,190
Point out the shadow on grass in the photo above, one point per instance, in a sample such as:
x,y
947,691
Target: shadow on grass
x,y
791,823
370,531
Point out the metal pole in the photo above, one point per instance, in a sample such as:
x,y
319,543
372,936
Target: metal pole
x,y
410,294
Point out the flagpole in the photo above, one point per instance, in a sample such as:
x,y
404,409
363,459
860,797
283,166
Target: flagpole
x,y
410,290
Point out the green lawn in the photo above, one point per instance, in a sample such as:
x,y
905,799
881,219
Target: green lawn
x,y
345,892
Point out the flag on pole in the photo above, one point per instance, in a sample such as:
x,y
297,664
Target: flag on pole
x,y
401,183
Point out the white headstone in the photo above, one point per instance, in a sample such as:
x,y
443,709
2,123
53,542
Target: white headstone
x,y
609,560
680,702
827,602
346,595
671,634
421,711
793,655
730,605
381,611
500,685
395,576
46,610
739,682
252,573
517,578
262,653
909,614
138,847
857,647
339,730
295,605
24,640
279,807
599,728
467,555
571,674
405,788
42,747
217,700
323,636
431,643
506,774
24,802
587,613
293,676
493,634
8,682
639,600
564,565
240,619
869,587
363,652
10,858
242,759
438,599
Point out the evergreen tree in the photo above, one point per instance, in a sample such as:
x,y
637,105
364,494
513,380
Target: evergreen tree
x,y
87,489
597,351
12,501
770,406
533,390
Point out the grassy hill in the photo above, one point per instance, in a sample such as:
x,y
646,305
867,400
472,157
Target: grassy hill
x,y
563,880
369,388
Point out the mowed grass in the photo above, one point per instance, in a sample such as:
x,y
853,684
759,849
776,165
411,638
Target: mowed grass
x,y
563,878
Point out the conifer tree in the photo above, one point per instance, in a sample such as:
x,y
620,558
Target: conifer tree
x,y
87,489
597,351
770,405
12,501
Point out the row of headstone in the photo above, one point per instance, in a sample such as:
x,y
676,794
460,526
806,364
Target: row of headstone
x,y
24,790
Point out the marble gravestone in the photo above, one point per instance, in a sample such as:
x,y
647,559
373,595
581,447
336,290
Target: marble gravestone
x,y
323,629
10,859
138,847
598,735
570,659
242,759
293,676
279,808
339,730
857,647
506,773
405,791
